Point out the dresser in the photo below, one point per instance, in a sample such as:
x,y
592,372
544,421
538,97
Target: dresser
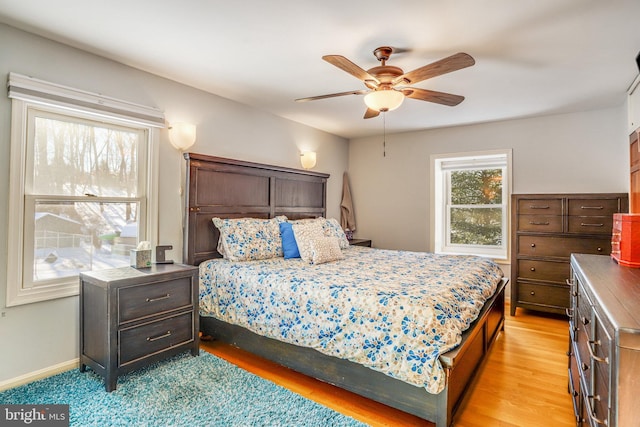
x,y
634,170
546,230
604,349
132,317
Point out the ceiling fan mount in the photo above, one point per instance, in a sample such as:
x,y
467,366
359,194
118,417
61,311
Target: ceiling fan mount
x,y
388,78
383,53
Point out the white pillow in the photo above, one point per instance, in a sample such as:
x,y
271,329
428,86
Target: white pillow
x,y
305,233
325,249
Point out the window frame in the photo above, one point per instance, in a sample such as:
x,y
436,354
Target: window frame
x,y
441,167
20,291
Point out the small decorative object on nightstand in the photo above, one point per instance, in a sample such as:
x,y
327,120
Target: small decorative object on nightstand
x,y
132,317
360,242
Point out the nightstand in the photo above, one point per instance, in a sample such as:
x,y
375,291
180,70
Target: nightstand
x,y
132,317
360,242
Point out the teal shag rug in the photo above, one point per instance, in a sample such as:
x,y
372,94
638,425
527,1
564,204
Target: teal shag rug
x,y
180,391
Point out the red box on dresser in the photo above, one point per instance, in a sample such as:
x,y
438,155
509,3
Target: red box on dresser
x,y
625,239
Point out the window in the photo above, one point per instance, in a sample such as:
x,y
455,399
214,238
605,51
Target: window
x,y
81,191
471,203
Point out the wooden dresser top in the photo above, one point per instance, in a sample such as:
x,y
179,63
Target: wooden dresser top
x,y
615,288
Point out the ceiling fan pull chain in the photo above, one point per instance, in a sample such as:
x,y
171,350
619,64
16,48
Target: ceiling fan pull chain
x,y
384,134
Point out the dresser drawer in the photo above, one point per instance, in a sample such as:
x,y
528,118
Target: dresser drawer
x,y
543,294
574,379
599,401
601,343
540,206
541,223
136,302
591,224
551,246
593,207
543,270
151,338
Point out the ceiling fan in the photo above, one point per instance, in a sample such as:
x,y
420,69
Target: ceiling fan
x,y
387,86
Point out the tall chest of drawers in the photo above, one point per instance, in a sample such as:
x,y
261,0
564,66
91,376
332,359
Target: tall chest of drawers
x,y
132,317
546,230
604,350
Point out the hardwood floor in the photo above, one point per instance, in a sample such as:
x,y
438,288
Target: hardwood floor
x,y
522,383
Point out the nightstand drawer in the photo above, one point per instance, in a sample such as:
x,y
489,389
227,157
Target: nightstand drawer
x,y
146,340
136,302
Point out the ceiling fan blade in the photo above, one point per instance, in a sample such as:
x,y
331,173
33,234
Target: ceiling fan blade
x,y
452,63
433,96
370,113
348,66
333,95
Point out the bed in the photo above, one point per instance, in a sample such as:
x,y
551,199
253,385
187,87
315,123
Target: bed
x,y
227,189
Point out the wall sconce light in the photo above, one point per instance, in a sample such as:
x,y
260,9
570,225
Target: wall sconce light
x,y
384,99
182,135
308,159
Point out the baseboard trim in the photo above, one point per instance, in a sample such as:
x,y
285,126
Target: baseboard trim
x,y
40,374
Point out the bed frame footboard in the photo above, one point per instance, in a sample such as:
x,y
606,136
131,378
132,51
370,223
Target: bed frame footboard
x,y
461,364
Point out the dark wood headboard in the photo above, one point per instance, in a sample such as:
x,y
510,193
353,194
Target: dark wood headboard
x,y
227,188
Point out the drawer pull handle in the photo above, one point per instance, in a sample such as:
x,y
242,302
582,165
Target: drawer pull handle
x,y
533,293
533,245
585,321
586,224
158,298
593,356
538,223
569,312
597,420
591,413
533,269
159,337
585,367
592,207
599,249
538,207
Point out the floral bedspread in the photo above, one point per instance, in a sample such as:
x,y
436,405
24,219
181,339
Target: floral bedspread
x,y
392,311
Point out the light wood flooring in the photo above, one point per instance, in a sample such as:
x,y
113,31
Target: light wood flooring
x,y
522,383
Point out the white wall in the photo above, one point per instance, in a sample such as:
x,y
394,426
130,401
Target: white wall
x,y
580,152
37,336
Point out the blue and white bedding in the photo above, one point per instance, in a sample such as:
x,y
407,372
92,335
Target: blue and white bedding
x,y
392,311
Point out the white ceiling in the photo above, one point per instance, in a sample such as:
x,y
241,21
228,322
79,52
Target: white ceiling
x,y
533,57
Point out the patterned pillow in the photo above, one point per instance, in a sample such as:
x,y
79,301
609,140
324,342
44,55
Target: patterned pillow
x,y
305,233
246,239
332,228
325,249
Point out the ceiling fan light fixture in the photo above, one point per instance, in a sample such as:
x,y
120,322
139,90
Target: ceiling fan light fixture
x,y
384,100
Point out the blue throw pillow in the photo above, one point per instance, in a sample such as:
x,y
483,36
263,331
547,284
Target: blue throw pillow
x,y
289,245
